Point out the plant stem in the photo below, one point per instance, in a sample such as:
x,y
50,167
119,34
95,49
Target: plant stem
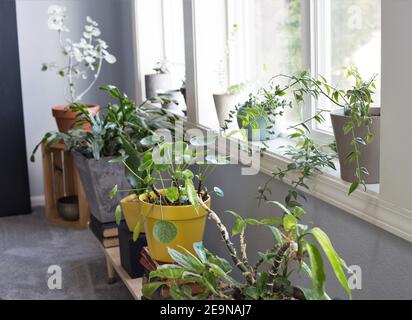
x,y
262,260
95,78
274,271
243,245
231,248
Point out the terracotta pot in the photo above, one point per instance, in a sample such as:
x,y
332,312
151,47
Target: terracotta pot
x,y
369,154
66,118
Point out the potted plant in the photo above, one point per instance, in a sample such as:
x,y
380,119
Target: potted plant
x,y
170,207
356,124
95,152
161,80
84,60
260,115
202,275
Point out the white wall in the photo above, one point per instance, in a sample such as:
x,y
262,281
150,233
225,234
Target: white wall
x,y
38,44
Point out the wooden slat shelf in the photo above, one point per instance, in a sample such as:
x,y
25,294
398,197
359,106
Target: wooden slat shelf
x,y
113,264
61,179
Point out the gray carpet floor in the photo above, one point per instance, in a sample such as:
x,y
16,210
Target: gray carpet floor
x,y
29,245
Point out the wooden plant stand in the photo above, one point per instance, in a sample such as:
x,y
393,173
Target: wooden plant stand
x,y
114,266
61,179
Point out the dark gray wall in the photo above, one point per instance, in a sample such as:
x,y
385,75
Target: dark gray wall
x,y
385,259
14,183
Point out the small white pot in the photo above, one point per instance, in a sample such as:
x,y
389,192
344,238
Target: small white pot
x,y
158,82
223,104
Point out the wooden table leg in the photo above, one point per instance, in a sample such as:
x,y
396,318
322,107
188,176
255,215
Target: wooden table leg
x,y
111,276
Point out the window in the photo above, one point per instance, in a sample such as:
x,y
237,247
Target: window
x,y
243,43
247,43
160,33
345,32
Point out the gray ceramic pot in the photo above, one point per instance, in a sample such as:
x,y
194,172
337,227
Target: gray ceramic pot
x,y
158,82
369,154
98,179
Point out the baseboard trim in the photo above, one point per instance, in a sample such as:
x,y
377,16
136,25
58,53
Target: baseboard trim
x,y
37,201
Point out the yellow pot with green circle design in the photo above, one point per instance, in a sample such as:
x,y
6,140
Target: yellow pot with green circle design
x,y
182,226
131,211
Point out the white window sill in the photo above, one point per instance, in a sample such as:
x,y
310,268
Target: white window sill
x,y
330,188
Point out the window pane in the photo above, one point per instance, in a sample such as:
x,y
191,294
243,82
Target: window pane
x,y
161,44
355,38
246,44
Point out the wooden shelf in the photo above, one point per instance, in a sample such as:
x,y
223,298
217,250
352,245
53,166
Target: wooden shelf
x,y
113,264
61,179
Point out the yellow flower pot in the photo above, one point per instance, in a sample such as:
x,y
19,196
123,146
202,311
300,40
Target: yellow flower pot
x,y
190,225
131,211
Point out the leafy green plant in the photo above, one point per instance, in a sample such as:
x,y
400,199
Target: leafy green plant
x,y
355,101
296,248
171,166
268,104
122,118
308,158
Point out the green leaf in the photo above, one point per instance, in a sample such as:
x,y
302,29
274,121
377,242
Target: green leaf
x,y
136,231
164,231
298,212
189,262
187,174
181,293
240,224
192,194
201,141
113,192
284,209
252,293
353,187
347,127
318,272
277,234
169,271
272,221
200,251
289,222
150,288
219,192
172,194
118,214
217,160
334,259
150,141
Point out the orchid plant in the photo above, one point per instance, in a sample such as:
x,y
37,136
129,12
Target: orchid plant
x,y
84,58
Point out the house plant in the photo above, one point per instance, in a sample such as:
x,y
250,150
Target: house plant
x,y
84,60
260,115
269,278
356,124
160,80
95,152
172,215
